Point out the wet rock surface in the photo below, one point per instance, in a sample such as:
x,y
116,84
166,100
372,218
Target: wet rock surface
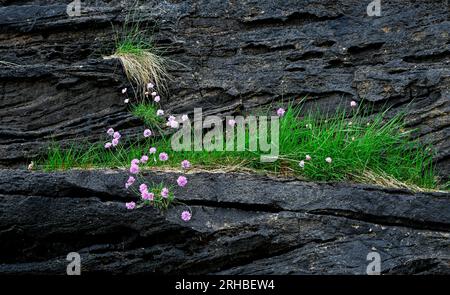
x,y
242,224
236,56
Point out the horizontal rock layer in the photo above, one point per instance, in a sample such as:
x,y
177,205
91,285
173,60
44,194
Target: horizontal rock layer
x,y
241,224
231,57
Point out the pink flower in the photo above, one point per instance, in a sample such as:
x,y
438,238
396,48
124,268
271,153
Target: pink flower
x,y
185,164
154,93
173,124
115,142
182,181
280,112
353,104
134,169
147,196
171,118
134,162
130,205
108,145
302,164
328,160
126,100
150,85
143,188
231,122
152,150
184,118
147,133
160,113
117,135
110,132
163,157
308,158
186,216
130,182
144,159
165,192
124,90
157,98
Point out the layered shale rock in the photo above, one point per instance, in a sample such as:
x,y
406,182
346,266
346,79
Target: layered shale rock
x,y
241,224
232,56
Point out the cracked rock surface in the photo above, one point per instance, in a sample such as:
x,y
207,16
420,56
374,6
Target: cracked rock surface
x,y
242,224
235,57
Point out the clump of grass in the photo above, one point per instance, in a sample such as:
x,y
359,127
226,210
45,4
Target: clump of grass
x,y
357,146
378,151
147,113
141,60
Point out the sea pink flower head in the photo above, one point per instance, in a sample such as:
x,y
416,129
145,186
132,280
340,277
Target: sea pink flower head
x,y
182,181
134,169
154,93
147,196
117,135
134,162
328,160
165,192
152,150
150,86
115,142
143,188
231,122
108,145
173,124
130,182
186,216
302,164
110,132
308,158
185,164
160,113
171,118
147,132
130,205
124,91
353,104
280,112
184,118
163,157
144,159
157,98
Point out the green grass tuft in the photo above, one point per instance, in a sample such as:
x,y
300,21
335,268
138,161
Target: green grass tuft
x,y
378,151
147,113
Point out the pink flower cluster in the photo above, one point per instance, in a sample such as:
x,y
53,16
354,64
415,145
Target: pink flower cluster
x,y
115,138
171,121
308,158
155,196
159,196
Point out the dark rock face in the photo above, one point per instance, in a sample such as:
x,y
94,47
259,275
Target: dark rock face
x,y
237,55
241,225
56,85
